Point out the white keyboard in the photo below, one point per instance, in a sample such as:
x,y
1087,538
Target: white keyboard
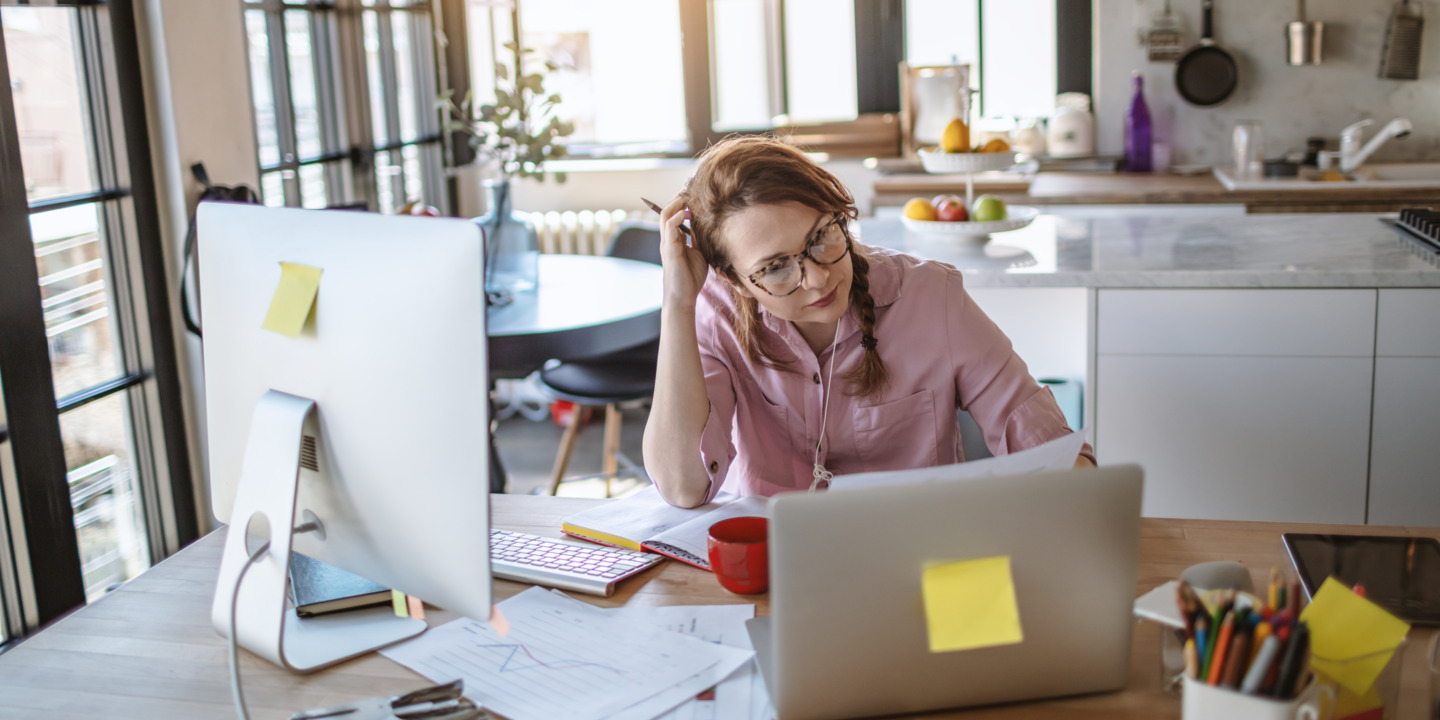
x,y
592,569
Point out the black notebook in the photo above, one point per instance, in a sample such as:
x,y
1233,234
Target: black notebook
x,y
318,587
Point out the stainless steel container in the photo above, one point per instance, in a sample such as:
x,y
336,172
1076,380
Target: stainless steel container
x,y
1303,41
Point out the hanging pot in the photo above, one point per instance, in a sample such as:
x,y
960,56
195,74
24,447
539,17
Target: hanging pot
x,y
1206,74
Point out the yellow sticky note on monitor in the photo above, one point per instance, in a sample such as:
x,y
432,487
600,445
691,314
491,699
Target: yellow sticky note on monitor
x,y
293,300
970,604
1351,638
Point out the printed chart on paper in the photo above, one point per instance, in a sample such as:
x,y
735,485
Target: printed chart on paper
x,y
560,660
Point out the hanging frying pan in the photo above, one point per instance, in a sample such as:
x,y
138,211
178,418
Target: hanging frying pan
x,y
1206,74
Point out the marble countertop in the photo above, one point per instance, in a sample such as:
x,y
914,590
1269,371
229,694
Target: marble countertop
x,y
1192,251
1080,188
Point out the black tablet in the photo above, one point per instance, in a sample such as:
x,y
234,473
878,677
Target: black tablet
x,y
1400,574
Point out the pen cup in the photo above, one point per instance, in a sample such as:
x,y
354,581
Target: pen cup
x,y
1208,702
738,554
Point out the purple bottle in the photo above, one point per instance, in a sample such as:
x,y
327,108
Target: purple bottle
x,y
1137,130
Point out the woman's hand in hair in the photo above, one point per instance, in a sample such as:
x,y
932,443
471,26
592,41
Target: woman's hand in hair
x,y
685,268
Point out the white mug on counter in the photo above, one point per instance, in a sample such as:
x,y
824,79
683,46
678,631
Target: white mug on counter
x,y
1207,702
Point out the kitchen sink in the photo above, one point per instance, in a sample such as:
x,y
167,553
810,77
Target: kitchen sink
x,y
1377,175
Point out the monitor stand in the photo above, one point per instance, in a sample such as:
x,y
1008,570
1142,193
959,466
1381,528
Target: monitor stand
x,y
266,624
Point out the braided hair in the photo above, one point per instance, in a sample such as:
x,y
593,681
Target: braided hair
x,y
742,171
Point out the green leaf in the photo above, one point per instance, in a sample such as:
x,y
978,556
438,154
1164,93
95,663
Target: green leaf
x,y
550,66
560,178
511,46
554,99
504,98
502,72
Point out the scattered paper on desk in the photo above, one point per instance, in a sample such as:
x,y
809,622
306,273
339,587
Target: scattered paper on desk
x,y
1351,638
1058,454
564,659
1159,605
971,604
734,697
720,624
293,300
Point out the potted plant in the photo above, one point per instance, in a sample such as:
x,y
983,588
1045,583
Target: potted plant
x,y
519,132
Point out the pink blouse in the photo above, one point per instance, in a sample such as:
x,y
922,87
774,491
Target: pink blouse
x,y
942,353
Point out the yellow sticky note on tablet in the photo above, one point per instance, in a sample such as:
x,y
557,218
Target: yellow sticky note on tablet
x,y
970,604
1351,638
293,300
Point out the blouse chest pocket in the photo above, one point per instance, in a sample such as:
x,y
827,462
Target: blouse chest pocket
x,y
898,435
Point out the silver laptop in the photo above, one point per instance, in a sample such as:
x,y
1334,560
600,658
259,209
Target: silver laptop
x,y
847,634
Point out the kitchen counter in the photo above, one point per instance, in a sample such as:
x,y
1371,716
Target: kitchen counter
x,y
1219,251
1077,188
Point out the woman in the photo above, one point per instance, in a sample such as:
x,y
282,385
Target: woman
x,y
805,354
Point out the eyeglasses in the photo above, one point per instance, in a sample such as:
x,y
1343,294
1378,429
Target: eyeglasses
x,y
784,275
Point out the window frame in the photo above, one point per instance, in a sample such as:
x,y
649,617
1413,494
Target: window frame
x,y
340,65
880,34
41,578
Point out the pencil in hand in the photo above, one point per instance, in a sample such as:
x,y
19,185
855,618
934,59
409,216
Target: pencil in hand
x,y
689,235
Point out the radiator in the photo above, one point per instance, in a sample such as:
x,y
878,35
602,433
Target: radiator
x,y
586,232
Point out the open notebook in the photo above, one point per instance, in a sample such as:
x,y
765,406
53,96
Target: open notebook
x,y
644,521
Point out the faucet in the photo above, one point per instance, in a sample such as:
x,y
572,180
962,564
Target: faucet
x,y
1352,155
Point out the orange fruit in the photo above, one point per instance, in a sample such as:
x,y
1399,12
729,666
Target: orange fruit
x,y
995,145
921,209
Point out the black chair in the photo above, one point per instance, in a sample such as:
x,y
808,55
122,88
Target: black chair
x,y
609,380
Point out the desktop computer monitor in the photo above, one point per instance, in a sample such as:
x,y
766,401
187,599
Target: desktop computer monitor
x,y
373,421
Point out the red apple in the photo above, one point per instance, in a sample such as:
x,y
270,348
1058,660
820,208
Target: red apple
x,y
952,209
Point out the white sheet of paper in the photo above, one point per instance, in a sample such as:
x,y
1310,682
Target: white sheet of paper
x,y
1160,605
567,659
742,695
1058,454
721,624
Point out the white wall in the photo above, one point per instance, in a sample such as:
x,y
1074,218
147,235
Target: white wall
x,y
1292,102
198,107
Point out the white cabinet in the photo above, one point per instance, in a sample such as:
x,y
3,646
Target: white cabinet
x,y
1239,404
1405,434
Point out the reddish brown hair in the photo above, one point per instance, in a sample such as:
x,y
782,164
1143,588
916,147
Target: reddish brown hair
x,y
740,172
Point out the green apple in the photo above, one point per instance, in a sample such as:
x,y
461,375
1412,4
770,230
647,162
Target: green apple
x,y
988,208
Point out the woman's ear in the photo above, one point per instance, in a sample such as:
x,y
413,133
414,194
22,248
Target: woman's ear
x,y
739,286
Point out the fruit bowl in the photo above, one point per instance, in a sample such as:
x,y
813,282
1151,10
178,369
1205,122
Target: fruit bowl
x,y
936,161
1018,217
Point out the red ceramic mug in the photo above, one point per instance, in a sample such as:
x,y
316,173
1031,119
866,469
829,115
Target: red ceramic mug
x,y
738,554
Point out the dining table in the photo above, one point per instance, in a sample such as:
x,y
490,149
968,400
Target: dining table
x,y
583,306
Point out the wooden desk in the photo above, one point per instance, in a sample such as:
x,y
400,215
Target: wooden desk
x,y
148,651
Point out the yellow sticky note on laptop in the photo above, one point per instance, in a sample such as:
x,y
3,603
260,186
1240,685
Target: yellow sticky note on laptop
x,y
294,297
1351,638
970,604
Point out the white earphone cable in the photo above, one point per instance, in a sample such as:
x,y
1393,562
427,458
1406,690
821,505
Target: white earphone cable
x,y
819,474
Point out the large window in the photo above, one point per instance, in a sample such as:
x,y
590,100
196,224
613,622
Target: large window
x,y
825,68
1010,47
93,470
344,94
621,93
